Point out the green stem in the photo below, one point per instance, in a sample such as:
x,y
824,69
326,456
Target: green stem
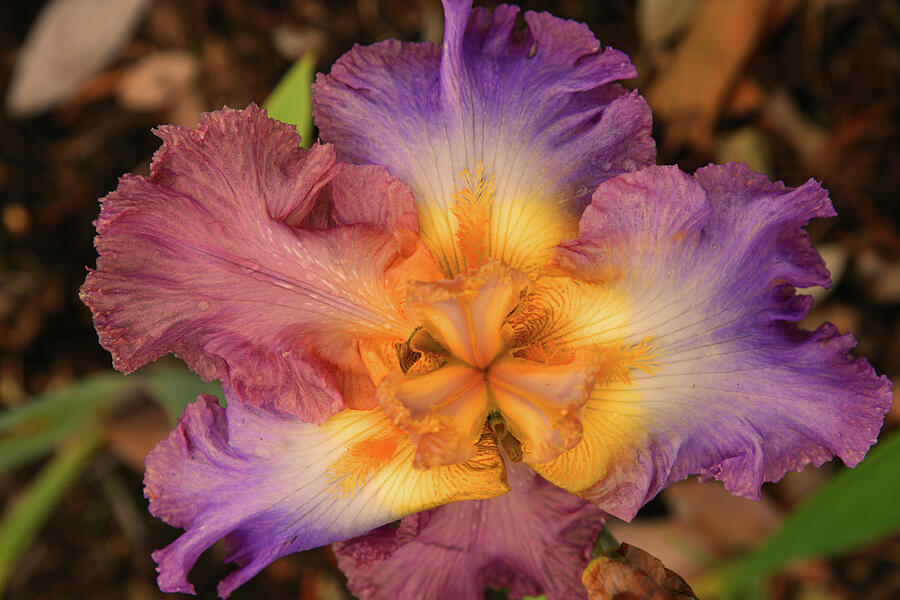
x,y
605,544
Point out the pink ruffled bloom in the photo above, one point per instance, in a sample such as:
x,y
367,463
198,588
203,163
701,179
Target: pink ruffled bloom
x,y
478,309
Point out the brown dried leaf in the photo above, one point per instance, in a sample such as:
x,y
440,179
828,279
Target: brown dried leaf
x,y
71,41
157,81
894,415
631,574
661,538
690,93
885,288
746,98
796,486
660,20
845,317
782,115
16,219
166,27
12,382
292,43
746,145
836,258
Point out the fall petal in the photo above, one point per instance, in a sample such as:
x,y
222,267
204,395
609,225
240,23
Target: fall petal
x,y
203,259
721,383
271,484
535,539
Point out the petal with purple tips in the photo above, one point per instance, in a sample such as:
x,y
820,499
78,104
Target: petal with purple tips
x,y
701,272
272,484
538,110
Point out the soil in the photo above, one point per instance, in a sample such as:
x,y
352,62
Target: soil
x,y
816,95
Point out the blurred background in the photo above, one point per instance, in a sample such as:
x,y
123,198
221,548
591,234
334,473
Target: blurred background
x,y
794,88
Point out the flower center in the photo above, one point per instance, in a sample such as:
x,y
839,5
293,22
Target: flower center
x,y
460,367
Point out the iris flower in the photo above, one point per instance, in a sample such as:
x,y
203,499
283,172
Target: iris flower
x,y
478,308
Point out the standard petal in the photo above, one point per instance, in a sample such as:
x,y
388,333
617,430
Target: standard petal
x,y
272,485
534,540
536,110
718,380
203,259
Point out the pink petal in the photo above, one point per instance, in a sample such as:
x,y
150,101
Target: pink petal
x,y
534,539
203,259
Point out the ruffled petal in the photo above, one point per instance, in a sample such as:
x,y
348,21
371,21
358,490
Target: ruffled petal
x,y
536,111
534,540
718,379
273,485
203,259
388,203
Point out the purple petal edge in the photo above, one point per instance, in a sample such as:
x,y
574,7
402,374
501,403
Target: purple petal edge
x,y
540,102
742,395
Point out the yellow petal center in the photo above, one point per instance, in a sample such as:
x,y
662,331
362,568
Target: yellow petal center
x,y
490,215
471,371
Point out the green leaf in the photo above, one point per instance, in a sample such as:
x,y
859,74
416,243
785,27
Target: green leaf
x,y
29,431
85,396
71,418
605,544
20,449
857,506
33,429
28,511
291,100
173,387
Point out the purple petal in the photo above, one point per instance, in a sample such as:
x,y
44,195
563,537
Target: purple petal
x,y
535,539
732,389
202,259
538,108
266,482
